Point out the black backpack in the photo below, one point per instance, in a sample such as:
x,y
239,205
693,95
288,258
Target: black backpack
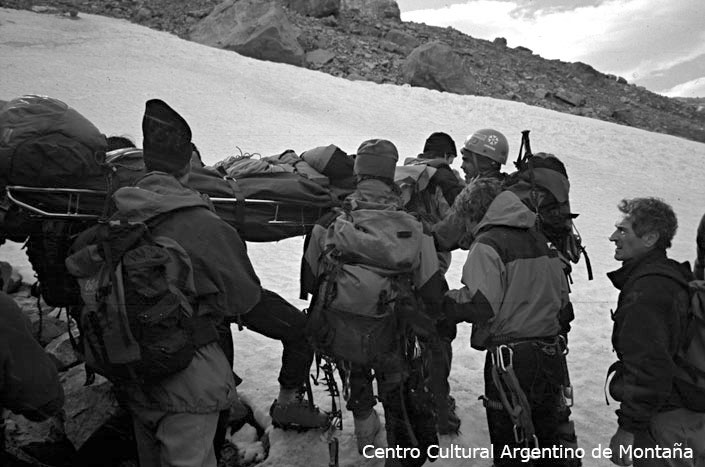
x,y
47,249
691,355
46,143
541,182
138,322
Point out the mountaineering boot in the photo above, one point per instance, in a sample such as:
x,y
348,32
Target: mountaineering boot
x,y
448,421
366,429
296,413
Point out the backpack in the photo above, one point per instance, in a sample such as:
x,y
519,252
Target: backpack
x,y
365,291
47,249
419,193
690,355
541,182
334,163
137,321
690,358
45,143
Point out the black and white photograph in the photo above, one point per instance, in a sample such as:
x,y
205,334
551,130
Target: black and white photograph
x,y
352,233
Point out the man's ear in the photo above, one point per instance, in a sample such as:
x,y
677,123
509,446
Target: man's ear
x,y
650,239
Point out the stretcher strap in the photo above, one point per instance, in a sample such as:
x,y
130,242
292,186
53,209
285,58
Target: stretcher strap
x,y
239,209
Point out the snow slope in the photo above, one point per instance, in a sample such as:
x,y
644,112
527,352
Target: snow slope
x,y
107,69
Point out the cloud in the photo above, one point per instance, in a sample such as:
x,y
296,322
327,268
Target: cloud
x,y
693,88
637,39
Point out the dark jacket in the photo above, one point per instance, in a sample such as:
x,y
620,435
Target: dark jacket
x,y
29,382
648,327
226,282
699,267
226,286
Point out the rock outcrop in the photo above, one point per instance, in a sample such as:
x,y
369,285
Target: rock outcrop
x,y
315,8
254,28
435,65
366,40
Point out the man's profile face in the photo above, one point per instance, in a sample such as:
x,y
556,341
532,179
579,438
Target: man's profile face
x,y
627,244
469,165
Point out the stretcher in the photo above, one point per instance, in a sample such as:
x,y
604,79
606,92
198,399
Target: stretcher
x,y
263,208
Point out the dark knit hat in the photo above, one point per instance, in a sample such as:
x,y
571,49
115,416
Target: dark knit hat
x,y
167,138
439,144
376,157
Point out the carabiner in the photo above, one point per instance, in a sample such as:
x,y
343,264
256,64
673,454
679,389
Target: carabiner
x,y
519,436
502,362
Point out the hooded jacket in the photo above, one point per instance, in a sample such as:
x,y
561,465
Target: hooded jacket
x,y
226,282
514,284
648,327
226,286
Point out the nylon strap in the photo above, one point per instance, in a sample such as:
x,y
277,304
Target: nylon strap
x,y
515,402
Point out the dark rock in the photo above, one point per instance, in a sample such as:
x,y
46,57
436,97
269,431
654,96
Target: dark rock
x,y
252,28
390,46
315,8
62,349
51,328
501,41
402,39
373,8
584,68
87,408
319,57
143,14
623,115
38,442
571,98
330,21
437,66
198,14
10,279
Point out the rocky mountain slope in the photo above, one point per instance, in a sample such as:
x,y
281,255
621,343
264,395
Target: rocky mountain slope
x,y
377,46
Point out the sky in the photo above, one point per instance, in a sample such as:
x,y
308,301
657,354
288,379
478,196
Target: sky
x,y
652,43
102,68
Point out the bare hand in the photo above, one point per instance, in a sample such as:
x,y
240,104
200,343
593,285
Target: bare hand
x,y
620,444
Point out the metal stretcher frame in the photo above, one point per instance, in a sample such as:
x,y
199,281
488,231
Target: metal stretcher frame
x,y
74,195
73,202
